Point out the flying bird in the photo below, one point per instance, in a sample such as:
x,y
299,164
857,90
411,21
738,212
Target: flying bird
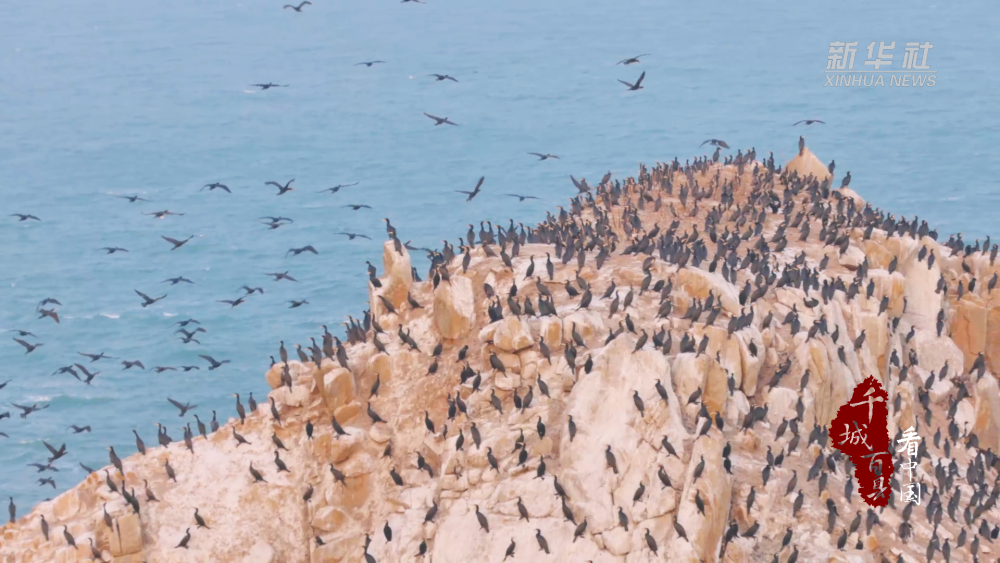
x,y
637,85
212,362
356,206
177,280
522,197
113,249
352,236
369,63
299,7
474,192
715,143
185,407
270,85
440,120
131,198
147,300
27,345
177,243
441,77
297,251
808,122
631,60
23,217
543,156
338,187
216,186
282,189
162,214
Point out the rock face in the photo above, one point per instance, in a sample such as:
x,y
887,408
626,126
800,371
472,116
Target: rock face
x,y
680,418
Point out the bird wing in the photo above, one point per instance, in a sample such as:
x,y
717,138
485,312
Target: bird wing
x,y
175,403
797,122
627,84
539,155
434,117
723,144
480,183
22,343
577,184
641,76
275,184
819,121
708,141
49,446
170,240
208,359
143,295
463,192
311,249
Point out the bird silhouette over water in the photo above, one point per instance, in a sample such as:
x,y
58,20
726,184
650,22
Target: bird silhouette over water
x,y
282,189
369,63
440,77
807,122
299,7
474,192
637,85
270,85
631,60
440,120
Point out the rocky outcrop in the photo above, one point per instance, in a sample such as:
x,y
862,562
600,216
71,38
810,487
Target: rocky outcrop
x,y
630,429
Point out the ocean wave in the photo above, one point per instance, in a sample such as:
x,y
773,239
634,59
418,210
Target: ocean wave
x,y
169,314
110,315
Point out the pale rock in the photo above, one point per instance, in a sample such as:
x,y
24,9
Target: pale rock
x,y
807,164
987,426
398,276
512,334
698,283
67,505
329,519
261,552
454,308
968,327
338,388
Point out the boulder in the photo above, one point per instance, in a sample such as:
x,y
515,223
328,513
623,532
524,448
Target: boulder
x,y
454,308
512,334
807,164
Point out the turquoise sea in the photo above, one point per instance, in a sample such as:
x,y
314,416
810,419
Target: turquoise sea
x,y
109,98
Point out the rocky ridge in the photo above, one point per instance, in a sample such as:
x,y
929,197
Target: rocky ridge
x,y
746,368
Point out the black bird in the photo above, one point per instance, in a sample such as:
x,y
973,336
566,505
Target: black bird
x,y
474,192
28,346
440,120
212,362
610,458
131,198
545,156
113,249
632,60
297,251
29,410
78,429
216,186
270,85
299,7
352,236
176,243
186,539
356,206
637,85
183,408
23,217
716,143
807,122
521,197
369,63
441,77
483,523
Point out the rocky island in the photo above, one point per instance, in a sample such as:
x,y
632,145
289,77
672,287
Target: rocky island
x,y
649,375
